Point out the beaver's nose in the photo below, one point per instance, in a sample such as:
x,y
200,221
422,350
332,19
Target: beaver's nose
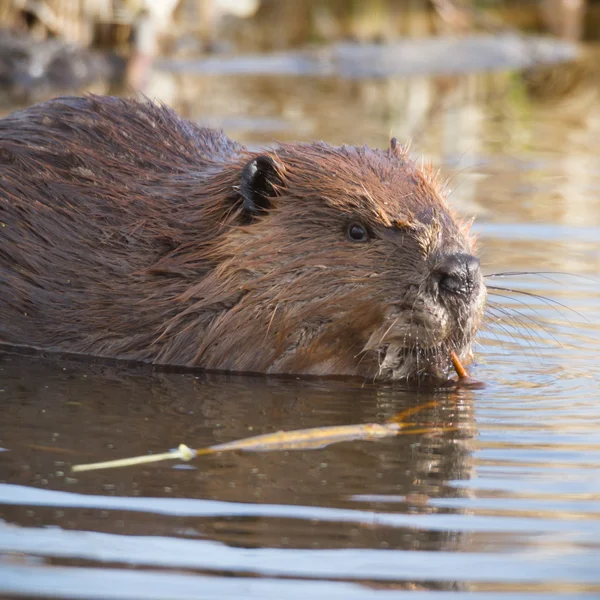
x,y
458,274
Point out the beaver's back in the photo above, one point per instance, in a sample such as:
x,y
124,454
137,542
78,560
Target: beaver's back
x,y
94,192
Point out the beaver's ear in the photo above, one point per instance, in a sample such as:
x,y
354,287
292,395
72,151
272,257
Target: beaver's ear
x,y
260,178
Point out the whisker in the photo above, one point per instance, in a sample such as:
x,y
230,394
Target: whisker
x,y
520,301
497,322
529,317
549,301
529,340
506,311
416,342
486,327
521,323
522,320
541,274
381,340
454,175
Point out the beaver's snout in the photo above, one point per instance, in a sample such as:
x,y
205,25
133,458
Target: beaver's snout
x,y
458,274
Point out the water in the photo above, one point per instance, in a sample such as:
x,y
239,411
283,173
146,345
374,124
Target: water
x,y
498,496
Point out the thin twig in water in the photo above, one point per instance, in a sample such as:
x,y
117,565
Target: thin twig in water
x,y
301,439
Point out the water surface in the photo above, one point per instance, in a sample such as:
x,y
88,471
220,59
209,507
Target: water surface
x,y
505,502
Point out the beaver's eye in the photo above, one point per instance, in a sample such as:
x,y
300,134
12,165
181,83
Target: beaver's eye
x,y
357,232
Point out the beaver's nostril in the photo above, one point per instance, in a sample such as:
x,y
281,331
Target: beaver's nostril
x,y
457,273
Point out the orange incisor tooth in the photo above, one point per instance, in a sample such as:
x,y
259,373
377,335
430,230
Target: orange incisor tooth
x,y
458,367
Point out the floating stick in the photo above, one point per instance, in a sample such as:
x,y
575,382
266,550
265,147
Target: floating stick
x,y
301,439
182,453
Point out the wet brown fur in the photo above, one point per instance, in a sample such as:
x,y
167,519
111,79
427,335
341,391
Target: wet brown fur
x,y
122,234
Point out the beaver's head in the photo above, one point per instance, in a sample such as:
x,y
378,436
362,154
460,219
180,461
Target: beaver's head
x,y
340,261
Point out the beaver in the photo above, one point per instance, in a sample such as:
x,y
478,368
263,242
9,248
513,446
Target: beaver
x,y
128,232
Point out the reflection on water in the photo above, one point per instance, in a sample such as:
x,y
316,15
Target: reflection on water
x,y
505,502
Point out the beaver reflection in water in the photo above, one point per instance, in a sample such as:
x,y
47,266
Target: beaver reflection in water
x,y
128,232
